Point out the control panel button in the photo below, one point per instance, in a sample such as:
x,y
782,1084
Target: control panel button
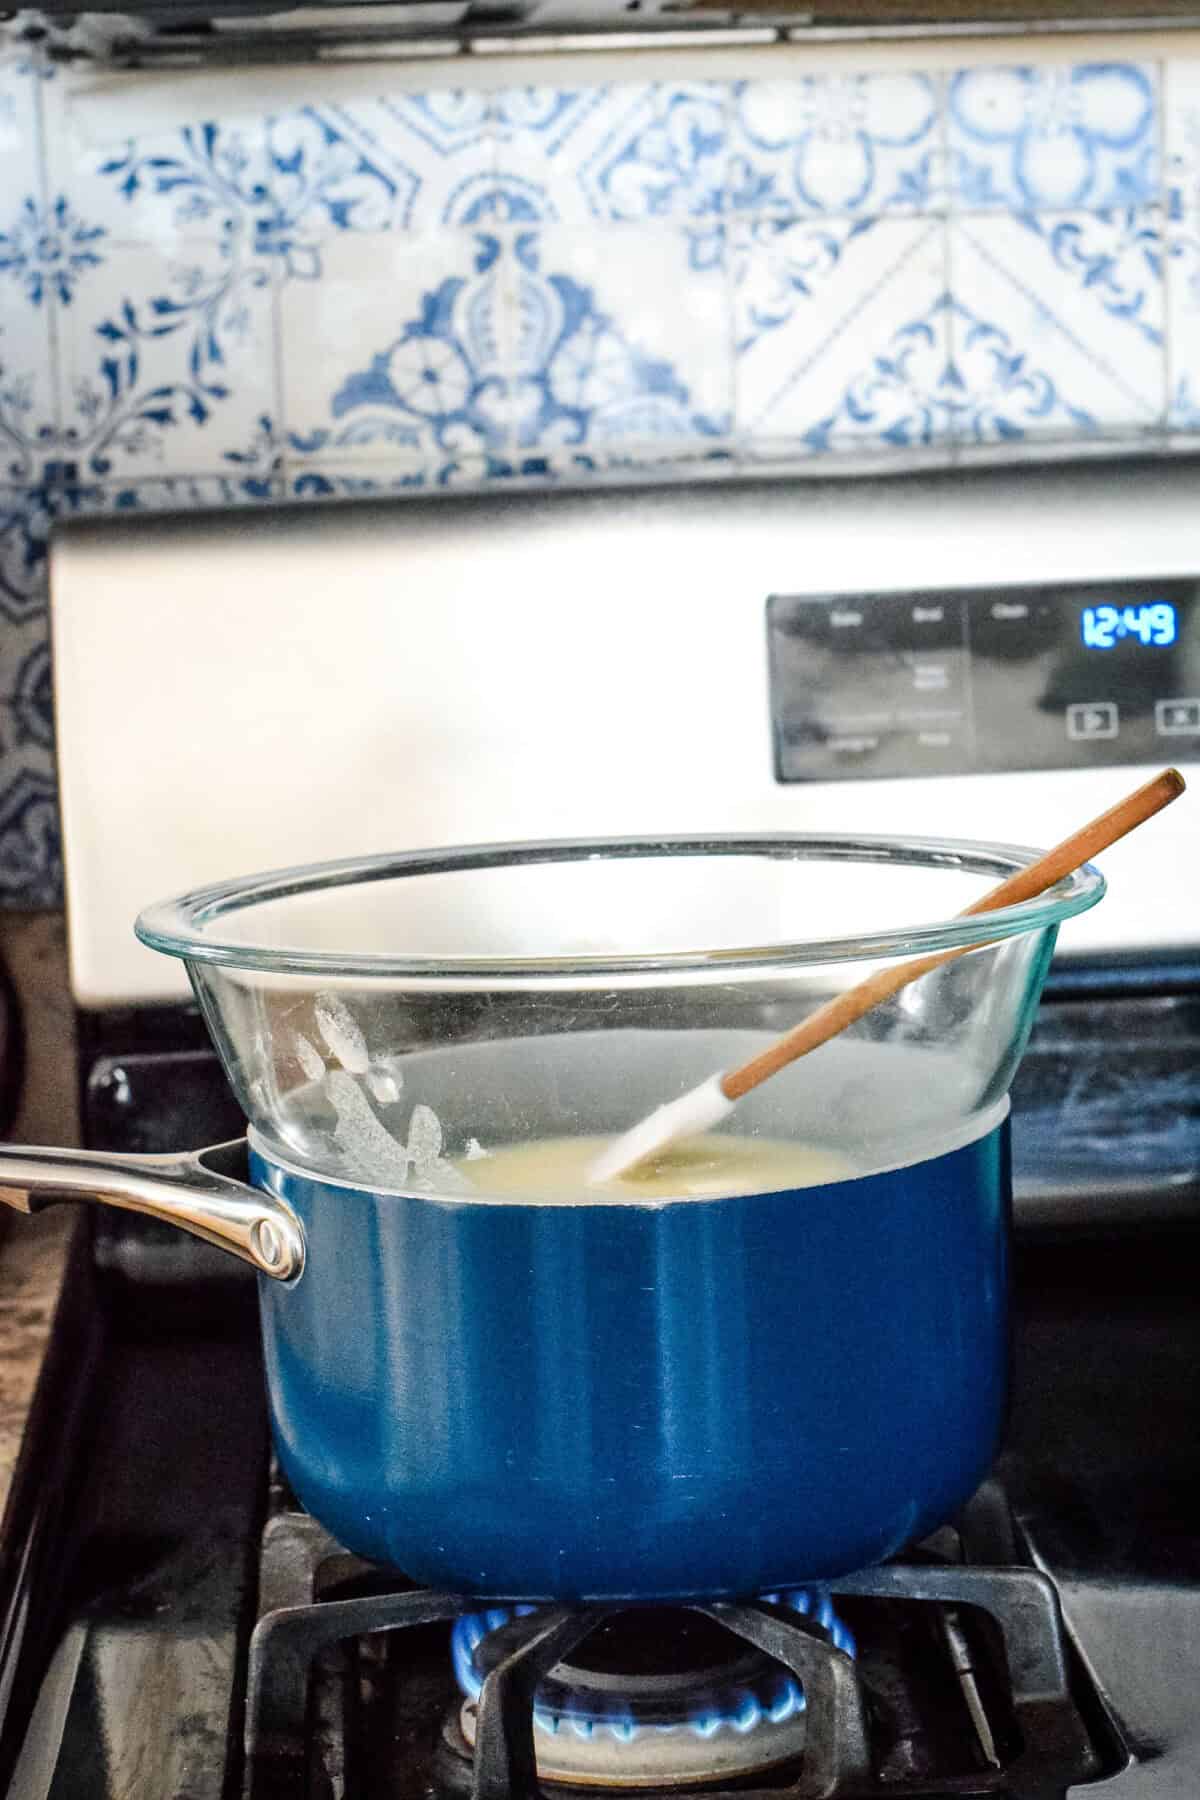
x,y
1092,719
1177,718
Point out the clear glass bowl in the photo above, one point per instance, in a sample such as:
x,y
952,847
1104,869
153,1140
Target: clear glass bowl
x,y
385,1018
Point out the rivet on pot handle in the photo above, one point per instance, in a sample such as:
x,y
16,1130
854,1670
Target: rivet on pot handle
x,y
205,1193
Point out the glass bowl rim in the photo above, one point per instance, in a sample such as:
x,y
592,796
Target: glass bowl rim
x,y
180,926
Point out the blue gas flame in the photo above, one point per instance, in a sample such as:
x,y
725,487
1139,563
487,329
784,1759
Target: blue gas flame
x,y
777,1696
816,1604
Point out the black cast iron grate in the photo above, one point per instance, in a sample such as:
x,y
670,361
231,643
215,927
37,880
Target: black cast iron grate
x,y
1030,1739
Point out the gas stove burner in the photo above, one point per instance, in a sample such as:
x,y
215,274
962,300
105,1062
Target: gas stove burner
x,y
655,1696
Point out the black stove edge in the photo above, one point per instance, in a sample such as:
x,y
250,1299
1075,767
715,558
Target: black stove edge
x,y
131,1540
1138,1642
33,1570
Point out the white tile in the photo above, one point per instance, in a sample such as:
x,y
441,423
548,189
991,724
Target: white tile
x,y
28,401
167,366
201,180
23,77
416,351
499,348
451,121
538,139
836,144
543,135
841,333
1083,134
640,151
624,341
627,151
326,174
280,185
1057,325
414,162
42,251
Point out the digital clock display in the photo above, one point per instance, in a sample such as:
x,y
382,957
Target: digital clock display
x,y
1153,622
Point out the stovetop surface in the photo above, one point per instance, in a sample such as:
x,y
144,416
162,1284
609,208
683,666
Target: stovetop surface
x,y
133,1561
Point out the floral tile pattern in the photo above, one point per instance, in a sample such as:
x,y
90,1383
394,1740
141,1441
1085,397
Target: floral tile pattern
x,y
1034,138
863,144
840,335
46,249
416,350
600,364
1067,309
167,364
656,152
625,152
839,271
408,162
198,181
541,136
507,341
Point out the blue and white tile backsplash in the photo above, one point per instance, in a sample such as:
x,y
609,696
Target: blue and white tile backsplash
x,y
825,273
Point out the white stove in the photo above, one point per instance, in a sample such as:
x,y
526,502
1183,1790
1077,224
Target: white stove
x,y
992,655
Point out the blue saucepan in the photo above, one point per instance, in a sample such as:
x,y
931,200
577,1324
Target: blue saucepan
x,y
579,1395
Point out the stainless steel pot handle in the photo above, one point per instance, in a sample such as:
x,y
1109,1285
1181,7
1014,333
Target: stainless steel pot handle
x,y
205,1193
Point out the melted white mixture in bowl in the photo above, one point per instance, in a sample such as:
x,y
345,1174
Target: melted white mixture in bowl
x,y
698,1167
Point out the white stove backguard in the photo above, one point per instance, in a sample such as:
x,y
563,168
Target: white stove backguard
x,y
252,690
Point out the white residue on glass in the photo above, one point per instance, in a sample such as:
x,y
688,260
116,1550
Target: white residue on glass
x,y
374,1155
371,1151
385,1079
309,1058
342,1033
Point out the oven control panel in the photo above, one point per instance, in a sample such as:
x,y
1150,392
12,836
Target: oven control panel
x,y
984,680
